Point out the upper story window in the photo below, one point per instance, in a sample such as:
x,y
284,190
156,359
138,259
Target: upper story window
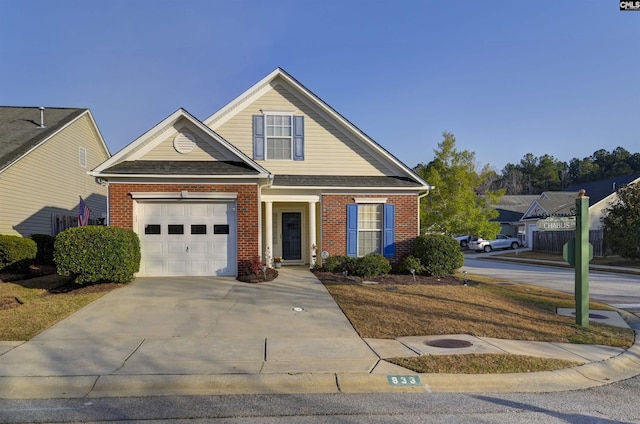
x,y
278,136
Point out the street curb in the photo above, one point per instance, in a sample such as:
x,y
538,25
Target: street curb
x,y
528,261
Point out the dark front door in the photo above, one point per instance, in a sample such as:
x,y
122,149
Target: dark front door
x,y
291,236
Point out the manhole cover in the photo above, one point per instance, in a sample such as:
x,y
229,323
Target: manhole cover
x,y
448,343
594,316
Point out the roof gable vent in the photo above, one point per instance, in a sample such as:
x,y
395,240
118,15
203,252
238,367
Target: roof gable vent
x,y
184,143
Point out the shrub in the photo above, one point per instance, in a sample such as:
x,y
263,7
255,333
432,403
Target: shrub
x,y
439,254
16,251
45,244
372,265
96,253
366,266
409,263
256,265
340,263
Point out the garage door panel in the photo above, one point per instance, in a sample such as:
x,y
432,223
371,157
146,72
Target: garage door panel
x,y
176,267
175,209
188,238
199,248
176,248
153,267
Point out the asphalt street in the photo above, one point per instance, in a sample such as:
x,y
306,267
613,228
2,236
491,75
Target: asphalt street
x,y
621,290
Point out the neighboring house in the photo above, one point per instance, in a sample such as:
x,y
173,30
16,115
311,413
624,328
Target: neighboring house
x,y
601,195
510,210
276,172
44,158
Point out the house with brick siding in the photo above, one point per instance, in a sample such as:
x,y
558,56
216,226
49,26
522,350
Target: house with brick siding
x,y
276,172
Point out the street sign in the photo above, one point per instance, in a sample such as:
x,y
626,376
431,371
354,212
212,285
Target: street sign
x,y
569,252
557,223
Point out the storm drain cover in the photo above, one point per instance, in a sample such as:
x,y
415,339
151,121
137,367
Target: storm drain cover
x,y
448,343
594,316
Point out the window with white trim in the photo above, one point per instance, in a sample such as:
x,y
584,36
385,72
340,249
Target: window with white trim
x,y
278,136
279,130
369,229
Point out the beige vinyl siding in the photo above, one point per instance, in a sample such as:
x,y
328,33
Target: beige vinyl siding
x,y
327,151
50,180
203,150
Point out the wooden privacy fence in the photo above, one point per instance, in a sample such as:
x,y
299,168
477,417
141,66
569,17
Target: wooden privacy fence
x,y
552,241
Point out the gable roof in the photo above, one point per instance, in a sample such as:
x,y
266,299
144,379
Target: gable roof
x,y
118,165
556,203
222,115
20,130
512,207
601,189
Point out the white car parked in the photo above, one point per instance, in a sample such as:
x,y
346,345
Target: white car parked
x,y
501,242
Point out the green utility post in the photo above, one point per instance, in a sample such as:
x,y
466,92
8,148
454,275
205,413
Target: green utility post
x,y
582,258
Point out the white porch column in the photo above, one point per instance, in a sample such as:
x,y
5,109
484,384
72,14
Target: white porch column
x,y
268,232
312,234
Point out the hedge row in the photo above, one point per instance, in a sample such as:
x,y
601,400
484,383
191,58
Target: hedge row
x,y
96,253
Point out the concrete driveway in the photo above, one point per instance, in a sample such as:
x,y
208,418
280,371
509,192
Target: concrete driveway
x,y
198,325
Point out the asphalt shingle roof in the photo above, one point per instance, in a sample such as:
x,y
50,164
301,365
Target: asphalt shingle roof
x,y
343,181
159,167
598,190
20,128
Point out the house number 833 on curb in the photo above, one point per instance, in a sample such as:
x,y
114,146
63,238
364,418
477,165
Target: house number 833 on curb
x,y
404,380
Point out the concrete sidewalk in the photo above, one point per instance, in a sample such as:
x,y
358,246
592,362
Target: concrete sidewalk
x,y
181,336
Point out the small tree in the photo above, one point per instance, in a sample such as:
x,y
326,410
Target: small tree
x,y
621,223
460,203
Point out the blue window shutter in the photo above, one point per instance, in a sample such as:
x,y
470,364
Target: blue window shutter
x,y
298,138
389,243
352,230
258,137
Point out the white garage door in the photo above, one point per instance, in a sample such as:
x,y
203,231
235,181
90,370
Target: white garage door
x,y
180,238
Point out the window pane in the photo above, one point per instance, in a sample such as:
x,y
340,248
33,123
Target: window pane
x,y
369,242
221,229
198,229
279,148
370,217
152,229
369,229
176,229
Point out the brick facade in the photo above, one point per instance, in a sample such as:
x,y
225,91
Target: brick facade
x,y
334,227
121,210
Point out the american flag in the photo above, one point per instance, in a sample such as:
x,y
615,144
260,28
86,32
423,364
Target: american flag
x,y
83,213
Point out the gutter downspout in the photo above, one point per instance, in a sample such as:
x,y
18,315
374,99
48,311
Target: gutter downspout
x,y
420,196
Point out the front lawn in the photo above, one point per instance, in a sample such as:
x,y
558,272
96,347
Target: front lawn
x,y
429,306
27,307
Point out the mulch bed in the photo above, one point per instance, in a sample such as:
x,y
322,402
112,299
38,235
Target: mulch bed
x,y
76,289
388,279
269,275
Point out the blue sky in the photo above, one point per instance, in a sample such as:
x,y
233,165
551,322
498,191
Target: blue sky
x,y
506,77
